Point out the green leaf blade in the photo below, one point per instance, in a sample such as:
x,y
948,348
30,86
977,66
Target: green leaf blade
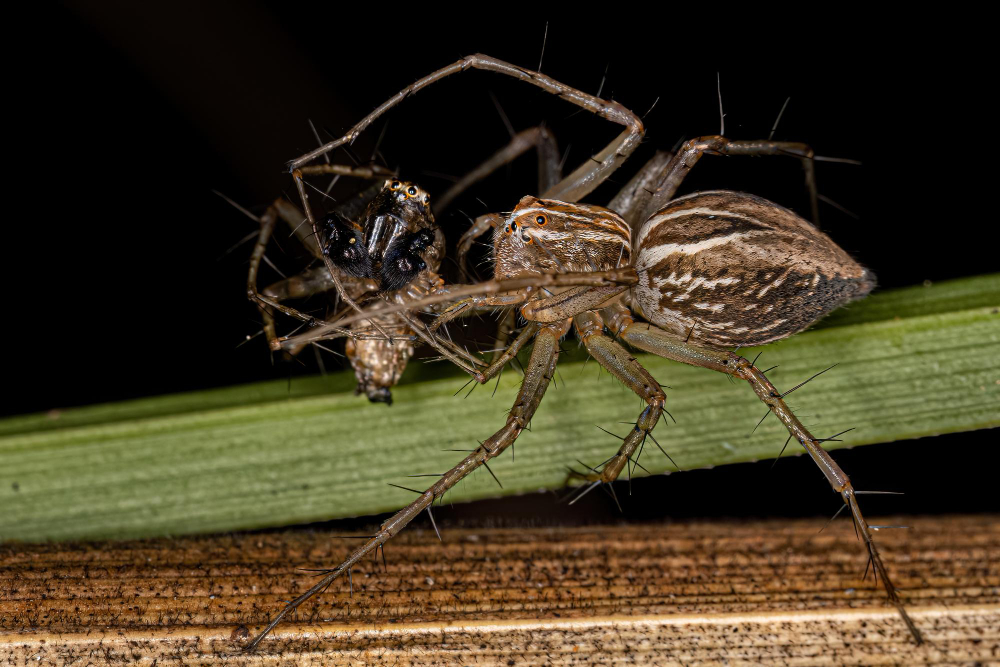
x,y
911,363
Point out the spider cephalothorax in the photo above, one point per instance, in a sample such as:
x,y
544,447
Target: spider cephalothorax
x,y
546,236
395,239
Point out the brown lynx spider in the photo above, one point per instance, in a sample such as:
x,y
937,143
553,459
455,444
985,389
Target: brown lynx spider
x,y
706,273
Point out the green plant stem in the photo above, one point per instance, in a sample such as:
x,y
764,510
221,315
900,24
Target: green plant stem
x,y
914,362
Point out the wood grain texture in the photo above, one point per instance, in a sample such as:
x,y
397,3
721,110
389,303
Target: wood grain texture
x,y
693,592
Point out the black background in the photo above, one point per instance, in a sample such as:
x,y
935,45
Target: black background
x,y
117,280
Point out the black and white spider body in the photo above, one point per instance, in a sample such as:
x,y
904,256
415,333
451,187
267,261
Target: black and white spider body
x,y
382,245
395,239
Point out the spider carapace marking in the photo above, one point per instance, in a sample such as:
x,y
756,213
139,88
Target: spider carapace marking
x,y
547,236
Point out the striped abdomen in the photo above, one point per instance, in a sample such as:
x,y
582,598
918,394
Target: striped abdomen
x,y
729,269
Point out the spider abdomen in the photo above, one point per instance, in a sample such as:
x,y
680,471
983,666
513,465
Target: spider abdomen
x,y
728,269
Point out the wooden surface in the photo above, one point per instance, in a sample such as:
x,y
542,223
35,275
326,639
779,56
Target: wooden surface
x,y
742,592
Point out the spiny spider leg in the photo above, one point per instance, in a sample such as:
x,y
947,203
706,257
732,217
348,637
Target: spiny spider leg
x,y
692,150
538,138
505,356
334,273
479,226
631,200
541,366
506,327
617,360
575,186
267,223
448,349
324,331
656,341
372,171
319,280
549,174
578,184
658,180
489,293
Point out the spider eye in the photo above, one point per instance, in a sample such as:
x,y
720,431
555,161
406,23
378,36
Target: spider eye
x,y
541,220
411,191
394,185
427,198
513,225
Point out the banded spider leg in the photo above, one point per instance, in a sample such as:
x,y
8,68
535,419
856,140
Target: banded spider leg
x,y
537,374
